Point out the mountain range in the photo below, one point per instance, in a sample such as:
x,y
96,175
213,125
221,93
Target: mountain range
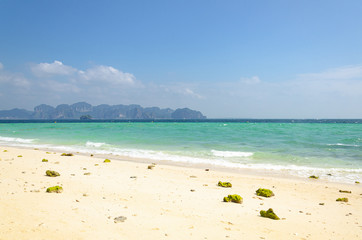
x,y
85,110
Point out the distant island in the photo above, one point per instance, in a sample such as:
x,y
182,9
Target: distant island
x,y
86,111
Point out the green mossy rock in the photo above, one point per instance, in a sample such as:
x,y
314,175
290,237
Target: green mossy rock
x,y
55,189
20,156
233,198
269,214
67,154
342,199
264,192
44,160
356,182
50,173
227,199
5,150
313,177
224,184
107,161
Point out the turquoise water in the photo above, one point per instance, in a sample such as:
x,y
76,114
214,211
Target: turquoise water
x,y
297,148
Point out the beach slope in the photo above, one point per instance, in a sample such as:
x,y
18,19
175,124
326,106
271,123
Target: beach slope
x,y
127,200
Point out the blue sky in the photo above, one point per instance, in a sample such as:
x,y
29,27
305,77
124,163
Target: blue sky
x,y
239,59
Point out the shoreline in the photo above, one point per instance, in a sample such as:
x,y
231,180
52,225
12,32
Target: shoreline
x,y
167,202
272,172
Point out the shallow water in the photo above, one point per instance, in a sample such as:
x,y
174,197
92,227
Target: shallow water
x,y
299,148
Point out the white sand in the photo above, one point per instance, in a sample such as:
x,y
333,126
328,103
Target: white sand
x,y
159,203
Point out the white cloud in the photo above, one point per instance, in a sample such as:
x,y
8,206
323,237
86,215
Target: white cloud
x,y
189,92
342,73
252,80
60,87
15,79
55,68
99,73
344,81
107,74
182,89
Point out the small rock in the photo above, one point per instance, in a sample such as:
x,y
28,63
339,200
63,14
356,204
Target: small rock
x,y
192,190
313,177
207,169
342,199
51,173
133,177
87,173
67,154
321,203
193,176
120,219
344,191
55,189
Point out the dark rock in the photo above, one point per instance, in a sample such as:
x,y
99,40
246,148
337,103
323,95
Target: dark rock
x,y
344,191
120,219
85,117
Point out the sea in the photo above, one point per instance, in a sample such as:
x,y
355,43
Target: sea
x,y
330,149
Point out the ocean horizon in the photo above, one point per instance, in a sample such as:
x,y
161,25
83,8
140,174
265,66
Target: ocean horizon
x,y
329,148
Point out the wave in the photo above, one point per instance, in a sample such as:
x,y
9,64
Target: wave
x,y
94,144
12,140
226,154
228,159
343,145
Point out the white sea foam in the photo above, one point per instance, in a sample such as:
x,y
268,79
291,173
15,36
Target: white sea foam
x,y
12,140
226,154
229,159
94,144
337,174
344,145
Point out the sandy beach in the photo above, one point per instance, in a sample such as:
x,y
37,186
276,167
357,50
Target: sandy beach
x,y
126,200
